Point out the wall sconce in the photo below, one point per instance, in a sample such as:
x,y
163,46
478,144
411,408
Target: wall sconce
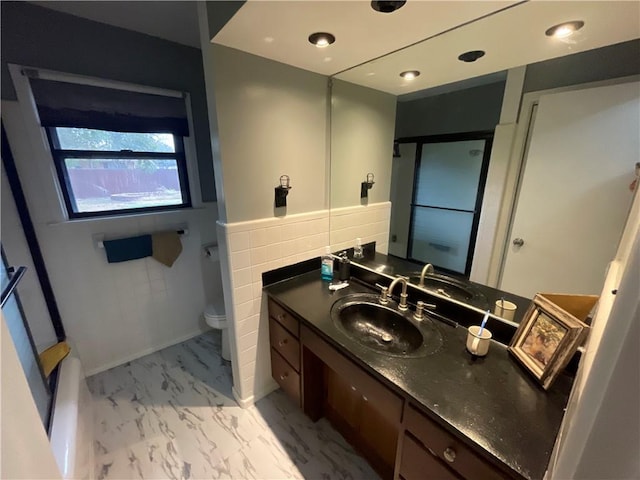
x,y
282,191
366,186
396,150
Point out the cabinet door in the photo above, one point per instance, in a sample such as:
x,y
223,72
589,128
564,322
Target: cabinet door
x,y
418,464
343,399
380,432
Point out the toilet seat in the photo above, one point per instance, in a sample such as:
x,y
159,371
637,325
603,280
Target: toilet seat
x,y
215,317
214,314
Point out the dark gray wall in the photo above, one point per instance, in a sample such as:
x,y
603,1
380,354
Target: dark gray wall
x,y
40,37
614,61
219,12
469,110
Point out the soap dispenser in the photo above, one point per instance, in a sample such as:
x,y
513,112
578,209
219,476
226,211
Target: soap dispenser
x,y
343,267
326,267
357,250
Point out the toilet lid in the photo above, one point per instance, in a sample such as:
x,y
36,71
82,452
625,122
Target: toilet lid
x,y
215,309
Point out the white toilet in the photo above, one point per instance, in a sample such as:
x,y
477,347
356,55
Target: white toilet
x,y
214,313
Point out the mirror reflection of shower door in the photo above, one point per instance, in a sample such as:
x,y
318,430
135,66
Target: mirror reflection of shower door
x,y
449,182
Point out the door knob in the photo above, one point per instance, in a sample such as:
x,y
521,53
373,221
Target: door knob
x,y
518,242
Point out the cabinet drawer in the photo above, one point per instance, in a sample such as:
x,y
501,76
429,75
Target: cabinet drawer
x,y
286,344
449,449
286,376
285,318
418,464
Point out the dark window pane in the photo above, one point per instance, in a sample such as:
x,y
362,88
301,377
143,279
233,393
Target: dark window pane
x,y
108,184
102,140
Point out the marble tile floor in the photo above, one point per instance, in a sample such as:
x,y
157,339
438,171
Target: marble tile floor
x,y
171,415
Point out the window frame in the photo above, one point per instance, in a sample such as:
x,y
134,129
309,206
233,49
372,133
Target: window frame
x,y
59,156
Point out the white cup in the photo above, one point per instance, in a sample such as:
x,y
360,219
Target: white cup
x,y
505,309
478,345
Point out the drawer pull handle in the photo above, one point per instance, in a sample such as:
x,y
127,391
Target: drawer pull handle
x,y
284,376
450,455
283,342
365,398
280,316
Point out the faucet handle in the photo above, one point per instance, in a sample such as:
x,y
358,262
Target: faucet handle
x,y
420,306
384,291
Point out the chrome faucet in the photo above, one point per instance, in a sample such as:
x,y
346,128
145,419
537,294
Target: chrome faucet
x,y
403,296
427,269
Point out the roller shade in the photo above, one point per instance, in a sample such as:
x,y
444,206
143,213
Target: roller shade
x,y
63,104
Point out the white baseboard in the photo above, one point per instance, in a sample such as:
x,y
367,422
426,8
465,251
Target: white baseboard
x,y
250,400
144,352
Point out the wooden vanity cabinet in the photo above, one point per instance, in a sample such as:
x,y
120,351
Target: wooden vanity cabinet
x,y
399,440
427,447
284,332
365,411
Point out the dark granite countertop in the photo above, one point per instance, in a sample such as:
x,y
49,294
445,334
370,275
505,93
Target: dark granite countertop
x,y
491,401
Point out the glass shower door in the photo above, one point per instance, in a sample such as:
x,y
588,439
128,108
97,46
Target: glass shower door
x,y
449,181
23,341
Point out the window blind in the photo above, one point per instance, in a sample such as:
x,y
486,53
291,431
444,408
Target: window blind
x,y
64,104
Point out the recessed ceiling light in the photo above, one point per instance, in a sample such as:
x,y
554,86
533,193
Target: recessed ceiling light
x,y
327,59
387,6
321,39
563,30
471,56
410,74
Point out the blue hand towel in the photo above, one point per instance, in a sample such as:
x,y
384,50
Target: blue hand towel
x,y
128,248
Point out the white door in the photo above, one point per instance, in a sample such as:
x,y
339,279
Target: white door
x,y
574,195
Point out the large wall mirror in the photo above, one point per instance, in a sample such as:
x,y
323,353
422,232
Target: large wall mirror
x,y
489,179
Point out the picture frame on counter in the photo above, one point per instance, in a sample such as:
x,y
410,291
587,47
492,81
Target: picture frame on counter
x,y
553,328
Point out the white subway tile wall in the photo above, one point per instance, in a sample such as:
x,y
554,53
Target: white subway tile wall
x,y
255,247
368,222
250,248
121,311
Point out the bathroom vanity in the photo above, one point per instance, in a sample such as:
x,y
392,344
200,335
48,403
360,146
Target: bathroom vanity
x,y
443,414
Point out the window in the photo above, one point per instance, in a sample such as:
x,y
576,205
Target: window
x,y
104,172
115,150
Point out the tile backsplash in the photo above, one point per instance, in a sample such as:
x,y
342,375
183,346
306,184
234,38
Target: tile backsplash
x,y
250,248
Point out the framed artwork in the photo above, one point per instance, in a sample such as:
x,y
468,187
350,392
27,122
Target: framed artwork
x,y
549,335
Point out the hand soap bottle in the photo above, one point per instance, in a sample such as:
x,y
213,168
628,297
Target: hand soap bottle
x,y
357,250
326,267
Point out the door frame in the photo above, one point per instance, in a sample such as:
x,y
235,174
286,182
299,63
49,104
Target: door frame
x,y
516,168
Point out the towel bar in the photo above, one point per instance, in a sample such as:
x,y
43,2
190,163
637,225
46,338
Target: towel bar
x,y
182,232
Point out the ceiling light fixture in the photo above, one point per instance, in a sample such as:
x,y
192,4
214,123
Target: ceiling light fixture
x,y
321,39
471,56
410,74
387,6
564,30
